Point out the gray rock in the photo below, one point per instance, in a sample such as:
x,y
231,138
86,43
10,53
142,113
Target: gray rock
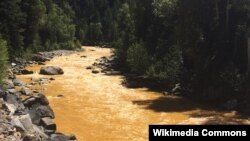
x,y
30,101
51,70
40,132
37,99
49,132
37,112
18,82
48,123
12,99
72,137
8,84
27,123
42,99
39,58
26,71
11,91
25,91
58,137
30,137
15,122
11,107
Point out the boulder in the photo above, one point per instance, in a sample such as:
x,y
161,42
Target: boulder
x,y
51,70
26,122
12,99
37,99
58,137
39,58
29,101
48,123
11,91
42,99
37,112
18,82
8,84
26,72
25,91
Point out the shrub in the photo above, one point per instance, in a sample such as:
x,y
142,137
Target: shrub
x,y
138,58
167,68
3,59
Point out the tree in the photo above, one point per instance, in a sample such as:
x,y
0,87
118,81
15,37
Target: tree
x,y
126,28
35,11
3,59
11,25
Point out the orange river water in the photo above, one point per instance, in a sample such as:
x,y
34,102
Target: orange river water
x,y
97,107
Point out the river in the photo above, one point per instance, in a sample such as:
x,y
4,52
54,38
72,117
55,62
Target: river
x,y
97,107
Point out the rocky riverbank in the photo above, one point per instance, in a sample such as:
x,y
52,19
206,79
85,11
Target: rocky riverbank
x,y
25,114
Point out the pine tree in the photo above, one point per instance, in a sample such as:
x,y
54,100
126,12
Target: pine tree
x,y
11,24
3,59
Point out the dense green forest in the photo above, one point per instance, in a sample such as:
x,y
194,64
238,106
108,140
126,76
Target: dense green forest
x,y
201,44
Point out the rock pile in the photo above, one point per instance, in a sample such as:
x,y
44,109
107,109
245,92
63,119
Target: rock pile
x,y
104,65
18,64
25,114
27,119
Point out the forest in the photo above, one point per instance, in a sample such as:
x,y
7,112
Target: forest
x,y
202,45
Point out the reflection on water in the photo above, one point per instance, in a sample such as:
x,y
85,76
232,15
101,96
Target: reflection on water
x,y
97,107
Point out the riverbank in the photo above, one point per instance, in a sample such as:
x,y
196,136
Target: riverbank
x,y
95,104
25,113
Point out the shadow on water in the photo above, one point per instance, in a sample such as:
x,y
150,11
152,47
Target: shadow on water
x,y
168,104
213,113
214,118
135,81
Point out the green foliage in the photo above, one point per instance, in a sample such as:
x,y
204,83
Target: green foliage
x,y
12,19
58,31
232,79
137,58
169,67
197,43
126,31
3,59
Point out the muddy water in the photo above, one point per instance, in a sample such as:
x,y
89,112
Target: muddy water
x,y
97,107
